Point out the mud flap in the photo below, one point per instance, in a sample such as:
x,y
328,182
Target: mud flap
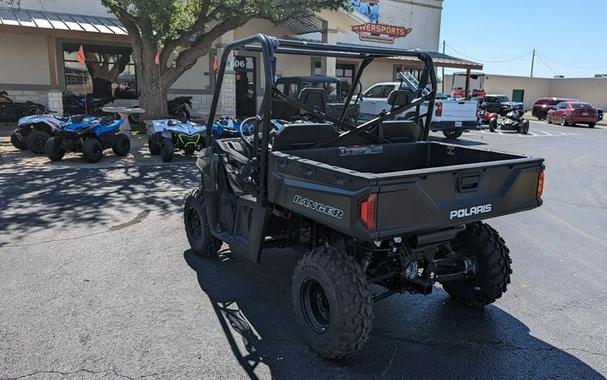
x,y
249,228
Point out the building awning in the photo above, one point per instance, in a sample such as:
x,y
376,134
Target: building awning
x,y
444,60
60,21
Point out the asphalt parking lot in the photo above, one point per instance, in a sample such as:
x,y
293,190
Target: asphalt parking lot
x,y
96,280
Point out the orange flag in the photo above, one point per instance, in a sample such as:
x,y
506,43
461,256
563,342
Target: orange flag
x,y
80,55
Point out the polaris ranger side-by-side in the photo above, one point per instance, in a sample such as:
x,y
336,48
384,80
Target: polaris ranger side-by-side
x,y
369,203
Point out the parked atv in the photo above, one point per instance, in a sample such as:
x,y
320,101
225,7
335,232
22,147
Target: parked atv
x,y
167,136
12,111
513,121
374,203
90,136
33,131
84,105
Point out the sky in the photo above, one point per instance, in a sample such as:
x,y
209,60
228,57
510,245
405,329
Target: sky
x,y
569,36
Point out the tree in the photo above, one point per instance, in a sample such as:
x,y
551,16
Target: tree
x,y
181,31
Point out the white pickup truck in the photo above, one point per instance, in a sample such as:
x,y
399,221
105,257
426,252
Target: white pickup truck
x,y
451,116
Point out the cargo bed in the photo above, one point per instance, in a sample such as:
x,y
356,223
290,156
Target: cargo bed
x,y
420,186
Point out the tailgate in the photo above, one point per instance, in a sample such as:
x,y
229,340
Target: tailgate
x,y
458,111
456,195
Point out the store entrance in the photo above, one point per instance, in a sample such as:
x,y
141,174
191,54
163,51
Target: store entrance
x,y
246,86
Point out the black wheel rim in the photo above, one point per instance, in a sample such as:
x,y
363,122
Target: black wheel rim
x,y
194,225
315,306
39,143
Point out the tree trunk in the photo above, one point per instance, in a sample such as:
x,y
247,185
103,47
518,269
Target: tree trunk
x,y
153,95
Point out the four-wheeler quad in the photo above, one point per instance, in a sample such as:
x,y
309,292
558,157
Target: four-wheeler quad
x,y
11,110
374,203
90,136
33,131
513,121
166,136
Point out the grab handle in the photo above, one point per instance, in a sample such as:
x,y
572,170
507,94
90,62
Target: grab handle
x,y
468,183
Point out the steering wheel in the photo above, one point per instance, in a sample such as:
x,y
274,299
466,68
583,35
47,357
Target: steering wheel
x,y
244,138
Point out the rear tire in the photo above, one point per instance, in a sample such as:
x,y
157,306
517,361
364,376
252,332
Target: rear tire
x,y
17,143
483,243
564,121
332,302
167,150
541,116
36,141
122,145
197,228
92,150
453,134
154,144
53,149
524,128
591,125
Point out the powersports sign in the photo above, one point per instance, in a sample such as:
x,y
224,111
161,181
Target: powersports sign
x,y
380,32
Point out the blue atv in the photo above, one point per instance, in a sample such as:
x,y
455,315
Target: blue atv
x,y
90,136
33,131
167,136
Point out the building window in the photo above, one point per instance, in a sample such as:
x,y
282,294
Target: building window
x,y
404,69
345,73
108,71
317,68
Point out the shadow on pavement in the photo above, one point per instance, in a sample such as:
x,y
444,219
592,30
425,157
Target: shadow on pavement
x,y
34,200
459,141
413,336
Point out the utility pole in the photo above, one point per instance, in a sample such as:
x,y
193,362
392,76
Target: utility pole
x,y
443,81
532,62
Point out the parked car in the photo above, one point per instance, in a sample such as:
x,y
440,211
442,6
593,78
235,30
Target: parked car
x,y
500,104
11,110
451,116
572,113
543,105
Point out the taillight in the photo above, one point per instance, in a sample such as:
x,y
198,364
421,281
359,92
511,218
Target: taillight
x,y
438,108
540,185
368,211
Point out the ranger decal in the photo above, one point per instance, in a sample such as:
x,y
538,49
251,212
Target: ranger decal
x,y
319,207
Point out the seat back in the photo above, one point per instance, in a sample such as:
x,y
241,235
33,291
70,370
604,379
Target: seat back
x,y
401,130
399,98
315,98
301,136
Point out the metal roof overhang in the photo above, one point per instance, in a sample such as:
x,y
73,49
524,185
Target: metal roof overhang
x,y
442,60
28,18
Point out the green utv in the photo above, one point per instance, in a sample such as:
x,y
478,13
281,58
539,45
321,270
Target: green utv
x,y
369,203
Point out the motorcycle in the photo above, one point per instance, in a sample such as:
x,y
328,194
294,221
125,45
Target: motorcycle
x,y
513,121
13,111
84,105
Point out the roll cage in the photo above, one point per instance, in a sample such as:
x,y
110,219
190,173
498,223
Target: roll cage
x,y
269,47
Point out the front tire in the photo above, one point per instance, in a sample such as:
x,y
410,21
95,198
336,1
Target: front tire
x,y
167,150
493,124
332,302
548,119
36,141
197,228
53,149
482,243
154,144
122,145
453,134
591,125
92,150
17,142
